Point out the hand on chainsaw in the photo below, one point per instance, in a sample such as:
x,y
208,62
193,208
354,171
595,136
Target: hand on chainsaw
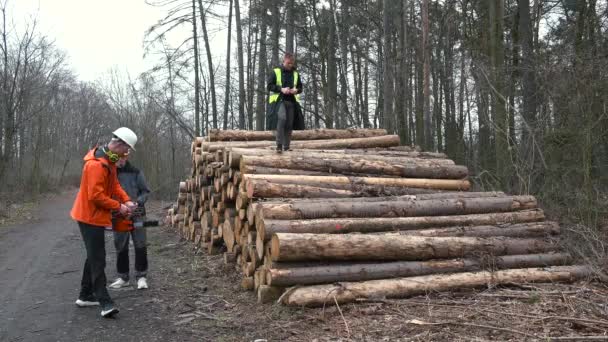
x,y
124,210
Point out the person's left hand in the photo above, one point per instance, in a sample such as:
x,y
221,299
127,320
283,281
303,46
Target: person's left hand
x,y
293,91
132,205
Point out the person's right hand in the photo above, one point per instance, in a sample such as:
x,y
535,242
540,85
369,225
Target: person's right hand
x,y
124,210
286,90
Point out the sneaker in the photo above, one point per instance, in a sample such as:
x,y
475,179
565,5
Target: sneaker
x,y
119,283
142,283
108,311
279,149
86,301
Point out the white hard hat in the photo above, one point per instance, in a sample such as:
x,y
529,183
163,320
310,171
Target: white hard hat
x,y
126,135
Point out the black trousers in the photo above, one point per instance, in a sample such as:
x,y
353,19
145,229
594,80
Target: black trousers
x,y
93,275
285,117
121,242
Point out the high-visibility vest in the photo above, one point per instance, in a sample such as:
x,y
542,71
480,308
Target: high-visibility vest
x,y
274,97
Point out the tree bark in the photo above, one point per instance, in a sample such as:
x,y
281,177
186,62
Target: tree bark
x,y
360,165
228,71
265,189
260,111
352,182
267,227
521,230
303,247
239,43
404,208
209,64
314,134
325,274
371,142
405,287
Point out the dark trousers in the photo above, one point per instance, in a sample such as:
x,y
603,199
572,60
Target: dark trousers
x,y
285,117
94,276
121,242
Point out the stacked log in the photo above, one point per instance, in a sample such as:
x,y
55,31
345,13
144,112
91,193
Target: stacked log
x,y
353,208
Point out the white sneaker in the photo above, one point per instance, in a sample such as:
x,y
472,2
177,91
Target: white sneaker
x,y
142,283
108,311
119,283
84,303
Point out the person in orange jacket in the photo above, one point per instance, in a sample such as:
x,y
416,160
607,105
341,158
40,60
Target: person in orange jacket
x,y
92,211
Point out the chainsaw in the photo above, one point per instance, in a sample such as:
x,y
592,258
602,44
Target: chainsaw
x,y
133,221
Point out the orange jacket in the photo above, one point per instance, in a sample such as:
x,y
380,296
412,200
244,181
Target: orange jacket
x,y
94,202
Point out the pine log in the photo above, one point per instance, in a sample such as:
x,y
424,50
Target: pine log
x,y
229,258
247,283
228,234
330,273
267,227
377,141
263,170
242,200
235,154
347,292
376,166
404,208
527,230
267,294
316,134
265,189
301,247
331,181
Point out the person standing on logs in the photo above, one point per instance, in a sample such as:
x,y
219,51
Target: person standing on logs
x,y
133,182
284,110
92,211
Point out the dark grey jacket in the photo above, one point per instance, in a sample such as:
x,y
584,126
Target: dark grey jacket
x,y
133,183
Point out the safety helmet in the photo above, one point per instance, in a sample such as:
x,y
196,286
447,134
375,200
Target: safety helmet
x,y
126,135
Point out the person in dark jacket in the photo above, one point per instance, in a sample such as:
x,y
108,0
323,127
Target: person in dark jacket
x,y
284,111
133,182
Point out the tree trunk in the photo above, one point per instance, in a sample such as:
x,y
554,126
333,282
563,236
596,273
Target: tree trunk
x,y
521,230
197,115
302,247
228,71
339,181
239,43
235,154
260,111
209,64
426,65
267,227
354,143
403,208
316,134
358,164
267,294
289,26
326,274
412,286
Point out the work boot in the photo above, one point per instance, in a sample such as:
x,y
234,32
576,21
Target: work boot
x,y
279,149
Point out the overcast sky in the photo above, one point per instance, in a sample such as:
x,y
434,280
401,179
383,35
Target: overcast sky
x,y
96,34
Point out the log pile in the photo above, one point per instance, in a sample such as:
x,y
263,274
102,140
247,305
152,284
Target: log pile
x,y
350,215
